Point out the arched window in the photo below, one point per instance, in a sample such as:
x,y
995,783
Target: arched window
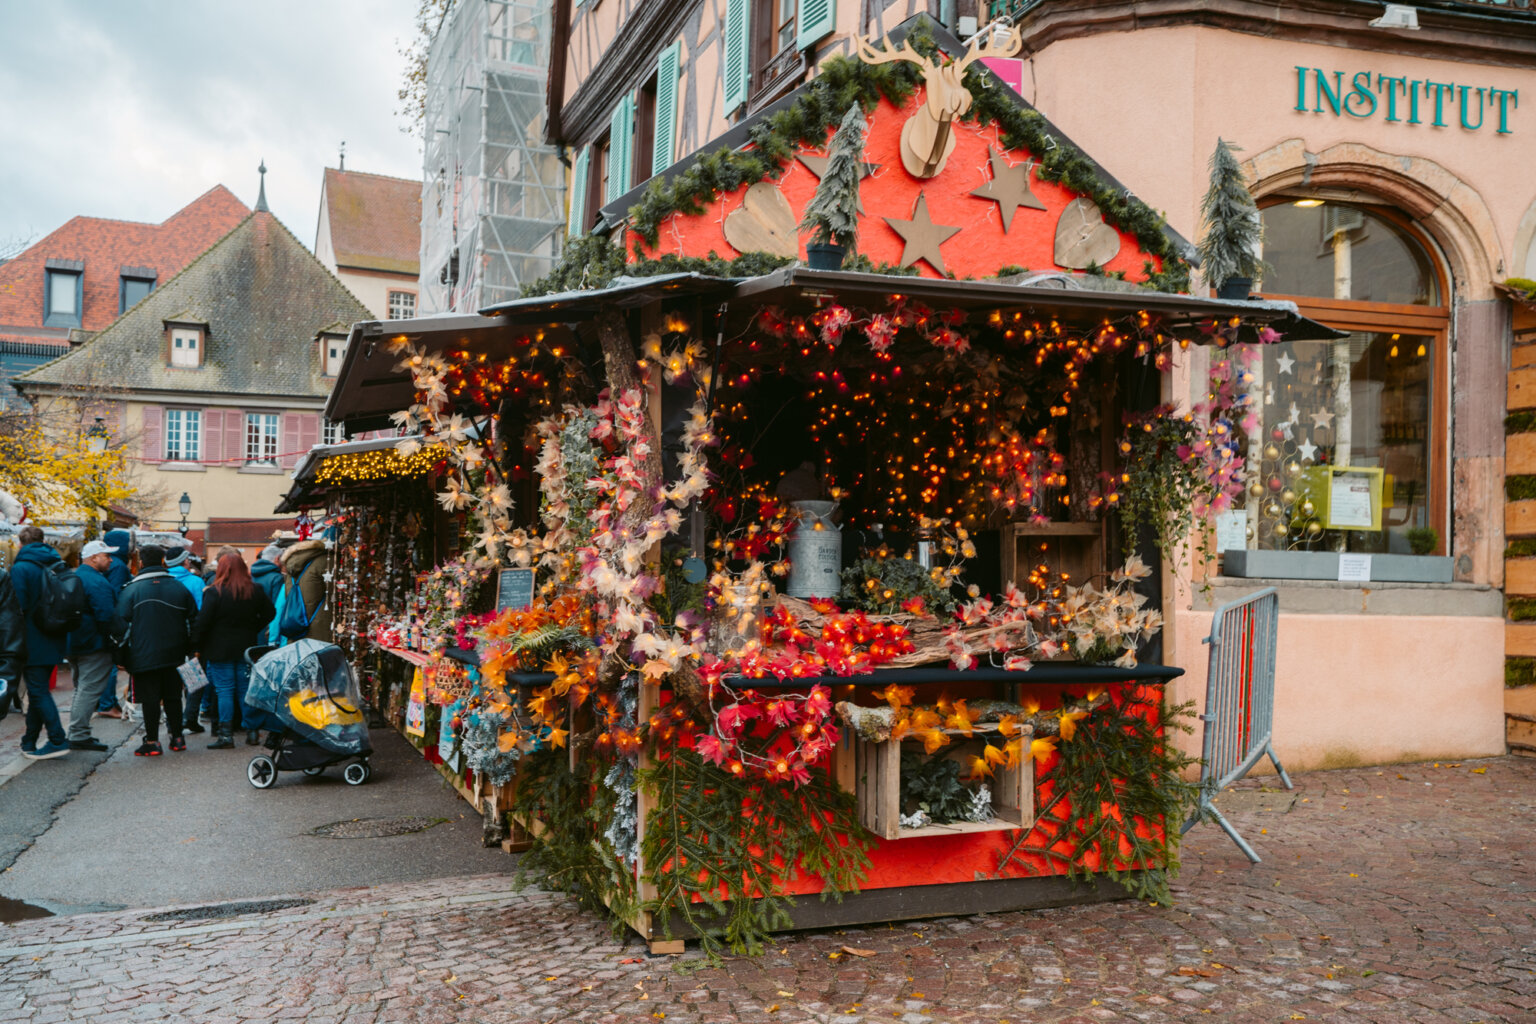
x,y
1351,450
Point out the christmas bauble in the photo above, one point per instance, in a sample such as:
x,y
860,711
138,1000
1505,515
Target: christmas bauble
x,y
1314,528
1275,483
1271,452
1288,496
1292,468
1280,530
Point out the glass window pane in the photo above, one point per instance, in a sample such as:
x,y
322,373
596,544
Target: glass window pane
x,y
134,290
1360,401
61,293
1338,251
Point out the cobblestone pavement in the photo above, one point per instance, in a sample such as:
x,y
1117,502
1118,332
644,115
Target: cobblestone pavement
x,y
1386,895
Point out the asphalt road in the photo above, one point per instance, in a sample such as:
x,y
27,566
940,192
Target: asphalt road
x,y
97,831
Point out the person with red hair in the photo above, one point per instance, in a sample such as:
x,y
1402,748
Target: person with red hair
x,y
235,612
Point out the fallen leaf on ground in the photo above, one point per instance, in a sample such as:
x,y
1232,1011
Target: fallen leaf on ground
x,y
858,952
1196,972
1479,771
783,993
633,960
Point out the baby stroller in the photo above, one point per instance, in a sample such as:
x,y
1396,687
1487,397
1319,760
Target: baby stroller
x,y
310,689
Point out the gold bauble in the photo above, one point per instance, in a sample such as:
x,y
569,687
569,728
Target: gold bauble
x,y
1307,508
1287,495
1280,530
1314,528
1271,452
1248,533
1256,489
1293,468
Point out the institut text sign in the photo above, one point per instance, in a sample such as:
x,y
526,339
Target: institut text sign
x,y
1400,98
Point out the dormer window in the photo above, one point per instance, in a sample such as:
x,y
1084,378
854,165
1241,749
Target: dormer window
x,y
135,284
187,347
62,297
333,349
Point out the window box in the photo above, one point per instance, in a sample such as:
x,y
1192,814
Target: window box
x,y
1324,565
877,785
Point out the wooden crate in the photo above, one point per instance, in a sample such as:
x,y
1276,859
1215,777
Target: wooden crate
x,y
877,786
1076,549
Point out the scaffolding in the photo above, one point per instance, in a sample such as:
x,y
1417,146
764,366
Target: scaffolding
x,y
492,203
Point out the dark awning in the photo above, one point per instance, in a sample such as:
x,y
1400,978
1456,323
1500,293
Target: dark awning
x,y
370,386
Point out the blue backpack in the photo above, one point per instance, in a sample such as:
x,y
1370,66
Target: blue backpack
x,y
295,620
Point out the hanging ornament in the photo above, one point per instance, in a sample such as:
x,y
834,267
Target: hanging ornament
x,y
1288,496
1271,452
1280,530
1293,469
1275,483
1314,528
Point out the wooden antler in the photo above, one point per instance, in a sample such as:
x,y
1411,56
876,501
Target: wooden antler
x,y
1010,46
885,55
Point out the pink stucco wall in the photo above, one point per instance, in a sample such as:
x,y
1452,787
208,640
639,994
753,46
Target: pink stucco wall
x,y
1194,84
1370,689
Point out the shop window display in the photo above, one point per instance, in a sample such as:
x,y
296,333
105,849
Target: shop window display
x,y
1346,450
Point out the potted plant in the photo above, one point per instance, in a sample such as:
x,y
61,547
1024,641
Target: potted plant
x,y
832,215
1423,540
1229,251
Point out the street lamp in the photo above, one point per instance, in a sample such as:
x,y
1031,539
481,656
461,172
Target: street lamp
x,y
185,505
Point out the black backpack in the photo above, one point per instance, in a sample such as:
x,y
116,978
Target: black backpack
x,y
61,603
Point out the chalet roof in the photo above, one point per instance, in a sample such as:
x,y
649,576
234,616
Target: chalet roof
x,y
375,221
738,136
264,297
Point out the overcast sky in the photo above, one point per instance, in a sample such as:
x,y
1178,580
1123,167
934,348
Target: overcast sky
x,y
132,110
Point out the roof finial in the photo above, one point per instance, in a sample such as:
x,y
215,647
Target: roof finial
x,y
261,196
342,163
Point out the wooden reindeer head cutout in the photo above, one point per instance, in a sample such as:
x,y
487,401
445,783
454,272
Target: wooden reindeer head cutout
x,y
927,139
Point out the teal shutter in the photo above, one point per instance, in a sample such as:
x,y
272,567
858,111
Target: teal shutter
x,y
662,151
621,148
817,19
579,171
735,74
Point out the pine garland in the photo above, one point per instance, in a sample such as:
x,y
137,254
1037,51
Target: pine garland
x,y
731,842
1117,773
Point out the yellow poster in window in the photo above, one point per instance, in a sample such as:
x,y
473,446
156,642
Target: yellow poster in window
x,y
416,707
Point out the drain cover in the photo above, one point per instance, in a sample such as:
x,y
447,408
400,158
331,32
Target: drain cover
x,y
227,910
374,828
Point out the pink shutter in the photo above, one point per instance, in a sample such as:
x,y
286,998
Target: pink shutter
x,y
288,439
234,437
213,435
309,431
152,444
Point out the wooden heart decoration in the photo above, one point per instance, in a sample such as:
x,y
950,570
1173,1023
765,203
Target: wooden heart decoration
x,y
763,222
1082,237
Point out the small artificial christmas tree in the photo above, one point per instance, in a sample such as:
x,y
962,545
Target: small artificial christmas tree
x,y
833,212
1233,230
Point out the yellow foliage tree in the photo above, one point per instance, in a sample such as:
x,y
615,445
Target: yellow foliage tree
x,y
56,474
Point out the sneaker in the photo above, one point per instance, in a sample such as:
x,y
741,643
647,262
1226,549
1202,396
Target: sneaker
x,y
149,748
179,743
191,727
46,751
90,743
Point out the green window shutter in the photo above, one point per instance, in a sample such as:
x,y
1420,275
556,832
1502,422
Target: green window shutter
x,y
621,148
578,214
734,73
817,19
662,151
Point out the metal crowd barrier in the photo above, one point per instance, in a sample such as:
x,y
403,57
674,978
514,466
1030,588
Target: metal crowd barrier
x,y
1239,702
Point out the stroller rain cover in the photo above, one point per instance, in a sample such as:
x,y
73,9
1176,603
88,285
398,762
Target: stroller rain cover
x,y
310,687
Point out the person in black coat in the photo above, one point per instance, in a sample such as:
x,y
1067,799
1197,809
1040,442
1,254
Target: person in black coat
x,y
13,642
159,612
235,612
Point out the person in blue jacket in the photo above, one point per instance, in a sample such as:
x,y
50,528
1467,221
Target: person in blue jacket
x,y
178,564
90,646
44,650
118,574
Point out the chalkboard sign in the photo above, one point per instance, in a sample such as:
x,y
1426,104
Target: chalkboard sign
x,y
514,589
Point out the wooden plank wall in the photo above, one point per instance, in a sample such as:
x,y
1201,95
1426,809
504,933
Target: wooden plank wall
x,y
1520,523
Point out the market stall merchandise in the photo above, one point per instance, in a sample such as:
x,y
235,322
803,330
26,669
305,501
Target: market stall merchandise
x,y
770,582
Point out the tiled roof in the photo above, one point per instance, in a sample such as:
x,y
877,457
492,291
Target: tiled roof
x,y
375,221
264,297
106,247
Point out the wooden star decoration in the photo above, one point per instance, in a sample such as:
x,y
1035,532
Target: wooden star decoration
x,y
1322,420
817,165
922,237
1285,362
1009,187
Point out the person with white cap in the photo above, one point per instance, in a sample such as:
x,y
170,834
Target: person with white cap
x,y
90,646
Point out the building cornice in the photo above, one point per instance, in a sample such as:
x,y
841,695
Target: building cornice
x,y
1459,34
641,37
